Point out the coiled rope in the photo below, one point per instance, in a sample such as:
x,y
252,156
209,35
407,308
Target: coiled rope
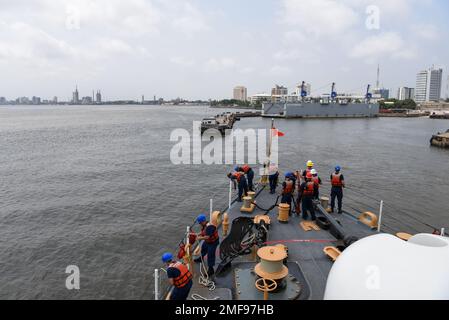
x,y
203,279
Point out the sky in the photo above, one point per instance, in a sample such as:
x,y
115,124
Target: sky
x,y
201,49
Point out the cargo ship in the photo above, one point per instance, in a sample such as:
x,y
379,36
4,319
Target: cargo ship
x,y
330,105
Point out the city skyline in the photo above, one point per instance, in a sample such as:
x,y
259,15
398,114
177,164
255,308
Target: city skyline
x,y
126,48
240,92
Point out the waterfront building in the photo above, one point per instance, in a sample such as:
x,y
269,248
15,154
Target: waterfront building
x,y
36,100
405,93
279,91
240,93
55,100
76,99
87,100
428,85
98,97
2,100
382,92
23,100
260,97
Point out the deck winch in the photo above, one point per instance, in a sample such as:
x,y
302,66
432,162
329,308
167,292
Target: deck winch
x,y
271,265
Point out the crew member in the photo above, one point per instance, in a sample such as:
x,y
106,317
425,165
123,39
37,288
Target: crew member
x,y
317,180
241,183
338,183
179,276
273,176
288,187
307,192
209,234
309,168
246,169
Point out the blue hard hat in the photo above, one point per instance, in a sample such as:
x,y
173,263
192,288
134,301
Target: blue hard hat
x,y
167,257
289,174
236,168
201,218
337,168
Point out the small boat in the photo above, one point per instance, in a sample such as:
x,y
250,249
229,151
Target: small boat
x,y
440,140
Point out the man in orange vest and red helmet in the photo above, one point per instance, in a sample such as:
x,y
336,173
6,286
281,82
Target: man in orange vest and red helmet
x,y
246,169
179,276
209,234
242,183
307,192
338,183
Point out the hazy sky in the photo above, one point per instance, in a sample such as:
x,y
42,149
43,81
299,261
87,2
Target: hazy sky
x,y
203,48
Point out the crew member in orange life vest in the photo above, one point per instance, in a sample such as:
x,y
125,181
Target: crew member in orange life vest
x,y
241,183
209,234
178,276
338,183
288,187
307,192
317,180
246,169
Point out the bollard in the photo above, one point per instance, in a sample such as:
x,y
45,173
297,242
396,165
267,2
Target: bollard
x,y
225,224
284,212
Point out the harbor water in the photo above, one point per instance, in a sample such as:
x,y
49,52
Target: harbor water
x,y
94,187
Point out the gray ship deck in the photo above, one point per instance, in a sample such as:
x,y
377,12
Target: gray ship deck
x,y
307,262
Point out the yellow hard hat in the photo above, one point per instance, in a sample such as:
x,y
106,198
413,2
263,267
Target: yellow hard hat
x,y
309,163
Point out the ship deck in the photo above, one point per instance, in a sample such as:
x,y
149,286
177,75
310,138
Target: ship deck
x,y
306,260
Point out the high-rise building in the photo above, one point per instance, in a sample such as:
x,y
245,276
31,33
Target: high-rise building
x,y
428,85
240,93
447,88
36,100
98,97
279,91
2,100
405,93
382,92
76,97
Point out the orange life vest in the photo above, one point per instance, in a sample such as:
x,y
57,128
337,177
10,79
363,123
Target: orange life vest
x,y
309,189
316,180
213,237
184,277
336,180
237,175
288,187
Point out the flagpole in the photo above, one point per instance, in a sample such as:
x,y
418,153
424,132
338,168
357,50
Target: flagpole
x,y
264,179
271,141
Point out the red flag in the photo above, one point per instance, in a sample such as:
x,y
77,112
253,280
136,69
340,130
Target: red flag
x,y
276,133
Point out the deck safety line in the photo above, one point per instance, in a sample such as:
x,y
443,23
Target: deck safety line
x,y
300,241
